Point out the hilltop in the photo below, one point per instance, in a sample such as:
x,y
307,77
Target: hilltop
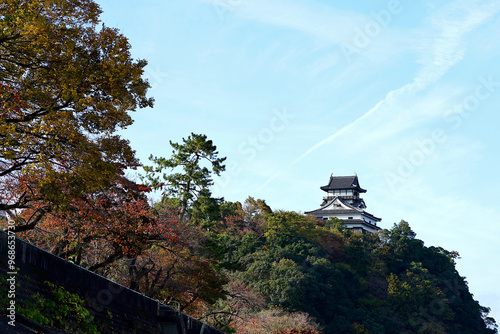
x,y
259,271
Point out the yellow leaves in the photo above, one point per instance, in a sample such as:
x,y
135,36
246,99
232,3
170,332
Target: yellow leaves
x,y
71,86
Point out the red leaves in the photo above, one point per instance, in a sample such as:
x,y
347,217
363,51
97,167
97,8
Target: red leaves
x,y
116,221
11,102
276,321
143,188
299,331
120,168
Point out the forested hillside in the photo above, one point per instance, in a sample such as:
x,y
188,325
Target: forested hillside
x,y
257,271
248,269
245,268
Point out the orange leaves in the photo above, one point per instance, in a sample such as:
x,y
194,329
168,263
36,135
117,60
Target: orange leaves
x,y
333,244
299,331
143,188
117,219
275,321
11,104
70,86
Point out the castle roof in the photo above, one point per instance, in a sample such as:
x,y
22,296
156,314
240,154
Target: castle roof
x,y
337,205
342,183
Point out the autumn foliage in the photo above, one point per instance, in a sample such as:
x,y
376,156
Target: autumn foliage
x,y
68,84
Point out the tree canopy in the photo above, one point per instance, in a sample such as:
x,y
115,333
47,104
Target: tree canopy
x,y
67,83
354,283
185,177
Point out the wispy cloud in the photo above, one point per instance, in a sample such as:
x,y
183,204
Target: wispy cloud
x,y
322,22
441,46
444,51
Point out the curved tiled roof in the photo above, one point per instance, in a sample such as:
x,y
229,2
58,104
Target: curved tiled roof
x,y
332,212
362,222
350,209
342,183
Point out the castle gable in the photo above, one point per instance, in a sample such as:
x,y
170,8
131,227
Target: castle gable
x,y
344,202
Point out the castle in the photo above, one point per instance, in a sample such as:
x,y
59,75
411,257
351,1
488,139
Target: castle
x,y
343,201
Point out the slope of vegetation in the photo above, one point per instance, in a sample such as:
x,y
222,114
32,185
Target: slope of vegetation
x,y
352,283
259,271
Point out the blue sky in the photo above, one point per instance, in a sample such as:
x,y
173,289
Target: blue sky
x,y
406,94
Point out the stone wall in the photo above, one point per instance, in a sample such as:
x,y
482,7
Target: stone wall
x,y
116,308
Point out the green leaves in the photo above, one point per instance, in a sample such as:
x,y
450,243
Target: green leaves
x,y
59,309
288,224
187,176
366,283
66,86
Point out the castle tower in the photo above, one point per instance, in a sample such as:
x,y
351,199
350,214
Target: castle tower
x,y
344,202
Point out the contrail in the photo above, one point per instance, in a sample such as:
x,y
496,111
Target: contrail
x,y
328,139
444,56
340,132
